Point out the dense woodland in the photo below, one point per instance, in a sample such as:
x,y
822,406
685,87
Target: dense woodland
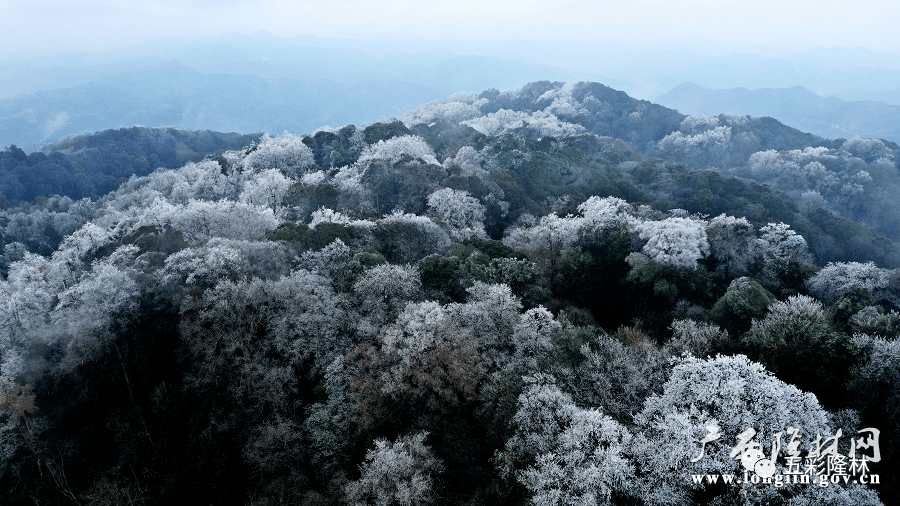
x,y
92,165
538,296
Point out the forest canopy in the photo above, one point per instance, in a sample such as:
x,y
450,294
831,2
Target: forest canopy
x,y
547,295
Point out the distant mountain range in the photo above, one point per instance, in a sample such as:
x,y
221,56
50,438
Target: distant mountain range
x,y
798,107
172,94
252,84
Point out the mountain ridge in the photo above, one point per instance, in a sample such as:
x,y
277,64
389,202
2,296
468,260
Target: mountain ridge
x,y
828,117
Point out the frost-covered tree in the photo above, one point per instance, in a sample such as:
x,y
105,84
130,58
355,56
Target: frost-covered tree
x,y
459,211
697,338
538,123
287,153
546,243
533,339
618,372
876,379
675,242
563,103
470,161
204,266
491,313
731,244
382,292
201,220
543,411
399,473
393,149
605,213
586,465
423,364
867,149
108,295
730,394
457,108
328,429
561,453
266,188
784,254
837,280
251,336
693,145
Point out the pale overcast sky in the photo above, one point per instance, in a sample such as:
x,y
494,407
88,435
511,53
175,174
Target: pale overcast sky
x,y
37,25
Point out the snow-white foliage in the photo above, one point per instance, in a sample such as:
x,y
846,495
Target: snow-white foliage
x,y
605,213
325,215
252,334
396,473
330,261
202,180
837,280
696,338
266,188
732,244
794,315
798,170
462,213
533,338
731,394
491,313
314,178
570,455
879,371
348,181
201,220
810,200
563,104
697,124
850,495
285,153
87,310
82,245
459,107
619,376
417,330
874,320
329,425
675,242
383,291
393,149
224,259
544,123
780,245
868,149
586,465
470,161
700,147
548,242
422,332
543,411
46,305
33,227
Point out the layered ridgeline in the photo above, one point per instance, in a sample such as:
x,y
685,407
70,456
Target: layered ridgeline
x,y
502,298
93,165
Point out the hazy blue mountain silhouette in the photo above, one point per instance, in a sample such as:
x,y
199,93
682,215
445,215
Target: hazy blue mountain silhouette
x,y
173,94
798,107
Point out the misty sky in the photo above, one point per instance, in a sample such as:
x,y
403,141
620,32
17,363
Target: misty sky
x,y
29,26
